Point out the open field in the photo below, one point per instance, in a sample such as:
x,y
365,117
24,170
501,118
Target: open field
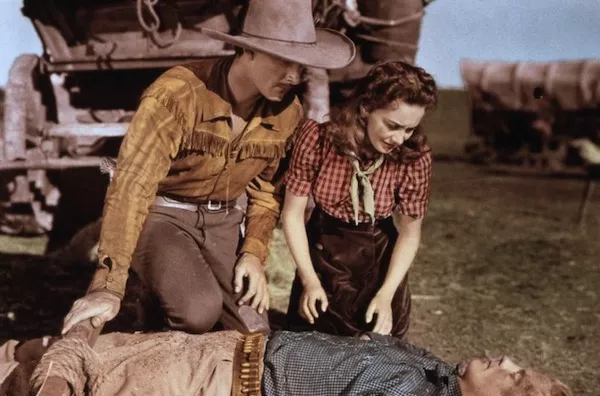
x,y
503,268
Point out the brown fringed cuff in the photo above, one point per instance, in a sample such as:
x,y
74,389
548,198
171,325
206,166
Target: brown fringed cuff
x,y
247,365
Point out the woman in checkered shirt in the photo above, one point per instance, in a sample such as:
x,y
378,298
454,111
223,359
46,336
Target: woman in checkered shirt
x,y
370,161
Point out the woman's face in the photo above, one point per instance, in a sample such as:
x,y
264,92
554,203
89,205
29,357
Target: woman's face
x,y
389,127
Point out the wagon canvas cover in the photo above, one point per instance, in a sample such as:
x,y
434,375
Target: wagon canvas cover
x,y
572,85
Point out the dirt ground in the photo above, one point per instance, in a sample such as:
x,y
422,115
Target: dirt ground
x,y
503,268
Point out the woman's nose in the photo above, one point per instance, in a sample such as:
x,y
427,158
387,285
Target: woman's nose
x,y
400,137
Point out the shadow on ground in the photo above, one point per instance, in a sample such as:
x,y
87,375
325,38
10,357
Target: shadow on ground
x,y
502,268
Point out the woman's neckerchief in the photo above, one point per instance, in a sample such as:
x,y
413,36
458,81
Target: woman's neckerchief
x,y
361,177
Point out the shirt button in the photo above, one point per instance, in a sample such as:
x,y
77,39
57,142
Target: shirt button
x,y
109,278
318,246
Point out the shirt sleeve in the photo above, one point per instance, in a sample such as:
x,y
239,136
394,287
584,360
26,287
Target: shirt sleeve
x,y
306,159
152,140
414,190
265,197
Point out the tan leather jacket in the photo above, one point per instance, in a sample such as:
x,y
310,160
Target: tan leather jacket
x,y
179,143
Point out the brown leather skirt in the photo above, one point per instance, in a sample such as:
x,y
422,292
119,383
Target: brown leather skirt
x,y
351,261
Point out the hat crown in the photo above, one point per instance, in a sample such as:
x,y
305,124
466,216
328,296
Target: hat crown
x,y
282,20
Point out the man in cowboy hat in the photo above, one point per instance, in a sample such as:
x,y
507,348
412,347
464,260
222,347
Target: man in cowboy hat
x,y
203,134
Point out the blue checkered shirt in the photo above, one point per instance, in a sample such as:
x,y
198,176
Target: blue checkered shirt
x,y
316,364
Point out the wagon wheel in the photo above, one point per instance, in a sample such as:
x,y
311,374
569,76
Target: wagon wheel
x,y
24,112
28,198
554,154
480,148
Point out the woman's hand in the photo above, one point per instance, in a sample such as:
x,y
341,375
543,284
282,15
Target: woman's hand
x,y
292,218
312,293
382,305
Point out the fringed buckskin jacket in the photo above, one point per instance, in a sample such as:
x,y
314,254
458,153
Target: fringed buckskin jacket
x,y
179,143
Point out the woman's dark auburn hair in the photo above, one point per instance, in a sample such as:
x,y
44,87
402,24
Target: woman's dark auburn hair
x,y
384,84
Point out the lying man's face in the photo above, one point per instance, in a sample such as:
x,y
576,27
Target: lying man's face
x,y
502,377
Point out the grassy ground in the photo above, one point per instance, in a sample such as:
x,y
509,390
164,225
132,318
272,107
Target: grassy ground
x,y
17,245
512,272
503,268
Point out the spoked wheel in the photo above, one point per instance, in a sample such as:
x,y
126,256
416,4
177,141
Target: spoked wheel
x,y
27,197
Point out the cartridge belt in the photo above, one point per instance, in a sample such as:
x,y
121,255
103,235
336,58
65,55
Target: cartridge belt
x,y
247,365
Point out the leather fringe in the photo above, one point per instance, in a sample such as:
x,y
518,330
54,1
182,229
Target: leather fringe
x,y
263,149
204,142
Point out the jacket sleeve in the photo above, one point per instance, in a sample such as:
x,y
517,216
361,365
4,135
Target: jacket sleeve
x,y
151,142
265,197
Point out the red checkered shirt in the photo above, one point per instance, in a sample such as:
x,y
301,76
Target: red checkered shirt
x,y
316,167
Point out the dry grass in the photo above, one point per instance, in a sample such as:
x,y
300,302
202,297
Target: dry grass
x,y
18,245
503,268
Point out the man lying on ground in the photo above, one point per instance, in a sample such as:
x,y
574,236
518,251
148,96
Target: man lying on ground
x,y
283,363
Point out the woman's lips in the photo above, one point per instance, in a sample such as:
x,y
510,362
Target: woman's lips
x,y
389,147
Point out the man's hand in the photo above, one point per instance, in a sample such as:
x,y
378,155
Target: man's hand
x,y
101,306
249,266
312,293
382,305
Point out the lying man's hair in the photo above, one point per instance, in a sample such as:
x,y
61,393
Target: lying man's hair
x,y
537,384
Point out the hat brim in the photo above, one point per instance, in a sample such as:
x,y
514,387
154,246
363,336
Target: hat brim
x,y
332,49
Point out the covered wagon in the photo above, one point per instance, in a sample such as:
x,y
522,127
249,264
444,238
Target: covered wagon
x,y
527,113
69,107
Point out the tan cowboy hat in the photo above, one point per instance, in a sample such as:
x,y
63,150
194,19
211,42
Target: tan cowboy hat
x,y
285,29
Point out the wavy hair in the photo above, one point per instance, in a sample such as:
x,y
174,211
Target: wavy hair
x,y
384,84
534,383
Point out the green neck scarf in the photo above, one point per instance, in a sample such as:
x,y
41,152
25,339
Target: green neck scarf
x,y
361,177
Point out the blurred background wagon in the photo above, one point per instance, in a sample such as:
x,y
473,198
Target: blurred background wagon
x,y
528,114
69,107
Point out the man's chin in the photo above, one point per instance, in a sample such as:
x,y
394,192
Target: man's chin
x,y
275,97
277,94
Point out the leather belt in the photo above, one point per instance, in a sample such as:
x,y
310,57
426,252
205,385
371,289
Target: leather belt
x,y
247,365
161,200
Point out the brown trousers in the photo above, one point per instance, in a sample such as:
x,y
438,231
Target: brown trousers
x,y
351,261
186,260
